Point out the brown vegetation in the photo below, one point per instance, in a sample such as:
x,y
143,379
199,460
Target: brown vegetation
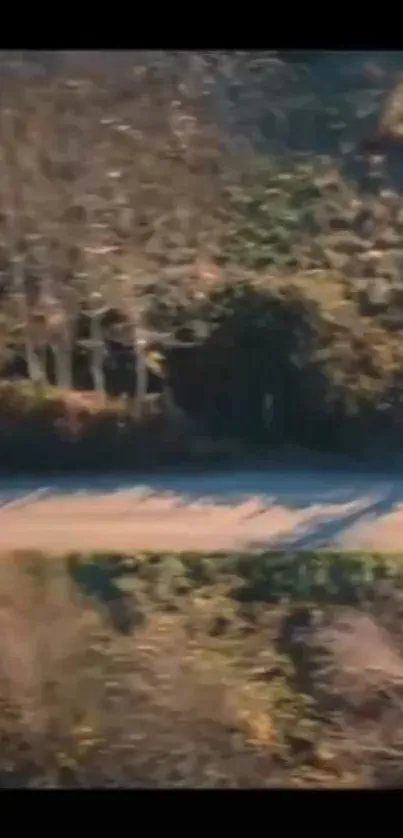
x,y
51,429
197,672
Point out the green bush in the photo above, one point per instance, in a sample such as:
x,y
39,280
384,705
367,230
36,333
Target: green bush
x,y
301,337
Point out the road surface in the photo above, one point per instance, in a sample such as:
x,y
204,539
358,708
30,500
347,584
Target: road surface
x,y
220,511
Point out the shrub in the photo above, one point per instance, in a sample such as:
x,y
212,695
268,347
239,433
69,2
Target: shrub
x,y
52,429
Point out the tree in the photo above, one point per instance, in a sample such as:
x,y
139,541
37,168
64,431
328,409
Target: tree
x,y
13,188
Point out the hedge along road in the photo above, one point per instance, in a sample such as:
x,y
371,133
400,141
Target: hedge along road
x,y
223,511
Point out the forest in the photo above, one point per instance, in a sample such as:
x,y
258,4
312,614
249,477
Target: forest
x,y
201,259
200,255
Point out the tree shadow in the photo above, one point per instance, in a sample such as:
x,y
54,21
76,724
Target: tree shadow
x,y
98,580
296,489
372,495
323,530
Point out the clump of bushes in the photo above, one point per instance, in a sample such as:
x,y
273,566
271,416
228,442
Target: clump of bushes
x,y
332,373
45,429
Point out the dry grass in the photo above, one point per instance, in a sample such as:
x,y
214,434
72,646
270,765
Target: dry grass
x,y
200,690
82,705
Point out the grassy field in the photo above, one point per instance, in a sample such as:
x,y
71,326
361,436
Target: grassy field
x,y
201,671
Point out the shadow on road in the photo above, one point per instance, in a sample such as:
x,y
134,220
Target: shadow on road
x,y
296,490
323,529
372,495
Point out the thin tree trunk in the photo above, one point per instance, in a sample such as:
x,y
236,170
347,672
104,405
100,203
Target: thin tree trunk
x,y
35,368
97,354
175,415
141,374
36,371
60,334
62,354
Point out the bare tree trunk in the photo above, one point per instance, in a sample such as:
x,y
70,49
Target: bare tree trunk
x,y
62,354
175,415
35,367
60,334
141,373
97,354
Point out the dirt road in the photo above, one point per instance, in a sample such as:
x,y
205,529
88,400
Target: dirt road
x,y
208,512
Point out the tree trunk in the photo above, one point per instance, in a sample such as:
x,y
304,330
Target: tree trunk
x,y
62,354
60,332
97,355
141,374
35,367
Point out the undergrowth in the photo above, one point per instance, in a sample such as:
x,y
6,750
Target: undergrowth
x,y
45,429
201,671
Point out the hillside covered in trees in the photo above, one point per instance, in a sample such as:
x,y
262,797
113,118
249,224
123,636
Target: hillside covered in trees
x,y
186,234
